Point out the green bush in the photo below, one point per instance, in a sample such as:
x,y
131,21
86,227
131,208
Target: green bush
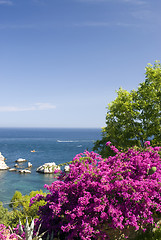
x,y
150,234
4,214
20,209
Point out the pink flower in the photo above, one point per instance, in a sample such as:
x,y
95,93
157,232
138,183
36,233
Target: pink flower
x,y
147,143
108,143
116,192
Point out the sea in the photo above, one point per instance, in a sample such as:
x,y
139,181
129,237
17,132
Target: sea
x,y
38,146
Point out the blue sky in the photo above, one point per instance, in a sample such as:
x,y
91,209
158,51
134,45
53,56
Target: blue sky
x,y
61,61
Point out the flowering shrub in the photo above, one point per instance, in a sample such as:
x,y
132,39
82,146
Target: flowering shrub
x,y
5,233
18,233
29,231
99,194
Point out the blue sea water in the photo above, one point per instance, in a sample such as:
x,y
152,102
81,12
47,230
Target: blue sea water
x,y
50,145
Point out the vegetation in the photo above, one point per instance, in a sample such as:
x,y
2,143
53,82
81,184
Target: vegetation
x,y
104,198
134,117
20,209
21,206
6,233
3,215
114,196
98,198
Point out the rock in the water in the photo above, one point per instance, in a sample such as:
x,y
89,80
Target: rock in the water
x,y
12,169
3,165
29,165
24,171
48,168
67,168
21,160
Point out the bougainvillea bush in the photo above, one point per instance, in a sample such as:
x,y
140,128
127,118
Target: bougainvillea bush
x,y
6,234
99,194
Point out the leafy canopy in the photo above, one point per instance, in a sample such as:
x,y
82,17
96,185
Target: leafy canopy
x,y
134,117
21,208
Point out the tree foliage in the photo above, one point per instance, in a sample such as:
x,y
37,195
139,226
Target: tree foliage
x,y
134,117
21,208
3,214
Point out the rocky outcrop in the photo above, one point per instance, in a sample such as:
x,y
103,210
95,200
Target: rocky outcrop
x,y
18,166
3,165
48,168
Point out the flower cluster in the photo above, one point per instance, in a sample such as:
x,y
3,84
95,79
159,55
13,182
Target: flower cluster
x,y
99,194
5,233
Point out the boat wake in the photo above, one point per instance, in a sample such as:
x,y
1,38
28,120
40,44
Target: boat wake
x,y
74,141
66,141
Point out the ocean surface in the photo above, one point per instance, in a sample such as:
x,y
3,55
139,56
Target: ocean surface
x,y
50,145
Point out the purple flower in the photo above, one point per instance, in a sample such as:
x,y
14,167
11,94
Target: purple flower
x,y
108,143
115,192
147,143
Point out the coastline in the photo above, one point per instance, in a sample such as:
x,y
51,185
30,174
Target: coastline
x,y
15,144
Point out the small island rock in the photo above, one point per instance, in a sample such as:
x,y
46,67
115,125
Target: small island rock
x,y
48,168
3,165
29,165
21,160
24,171
12,169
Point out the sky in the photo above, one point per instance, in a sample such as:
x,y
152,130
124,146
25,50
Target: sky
x,y
61,61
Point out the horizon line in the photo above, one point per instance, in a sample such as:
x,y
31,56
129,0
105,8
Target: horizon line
x,y
54,127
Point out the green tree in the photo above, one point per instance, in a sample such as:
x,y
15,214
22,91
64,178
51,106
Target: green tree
x,y
3,214
21,208
134,117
